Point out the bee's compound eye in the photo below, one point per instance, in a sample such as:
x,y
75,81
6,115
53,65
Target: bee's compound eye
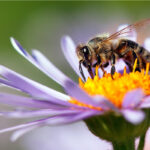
x,y
85,51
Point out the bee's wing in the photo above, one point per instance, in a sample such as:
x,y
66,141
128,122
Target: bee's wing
x,y
127,31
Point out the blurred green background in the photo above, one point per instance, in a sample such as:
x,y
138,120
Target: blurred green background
x,y
41,25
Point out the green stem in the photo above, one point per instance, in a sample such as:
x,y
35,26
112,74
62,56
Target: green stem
x,y
141,142
127,145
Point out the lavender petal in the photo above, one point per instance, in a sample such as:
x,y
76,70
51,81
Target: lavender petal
x,y
38,123
105,104
65,119
145,103
133,116
51,70
38,61
133,98
69,51
17,134
62,119
20,126
84,115
39,113
14,100
29,86
76,92
56,120
68,48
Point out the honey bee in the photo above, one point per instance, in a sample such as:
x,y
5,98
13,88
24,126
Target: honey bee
x,y
104,50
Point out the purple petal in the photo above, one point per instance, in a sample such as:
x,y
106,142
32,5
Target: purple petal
x,y
147,44
104,103
18,47
39,113
57,120
83,115
20,126
38,123
133,98
68,48
49,68
63,119
69,51
145,103
15,100
17,134
76,92
29,86
41,62
133,116
120,64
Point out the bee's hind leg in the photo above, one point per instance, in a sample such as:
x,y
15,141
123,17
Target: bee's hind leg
x,y
113,65
130,67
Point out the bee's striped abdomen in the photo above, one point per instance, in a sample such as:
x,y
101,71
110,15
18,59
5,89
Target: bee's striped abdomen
x,y
145,54
127,45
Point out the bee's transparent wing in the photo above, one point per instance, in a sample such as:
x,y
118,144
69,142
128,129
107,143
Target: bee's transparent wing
x,y
140,28
132,36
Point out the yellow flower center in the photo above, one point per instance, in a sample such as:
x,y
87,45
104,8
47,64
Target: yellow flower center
x,y
115,89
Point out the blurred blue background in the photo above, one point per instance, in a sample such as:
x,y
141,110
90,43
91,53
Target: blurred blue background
x,y
41,25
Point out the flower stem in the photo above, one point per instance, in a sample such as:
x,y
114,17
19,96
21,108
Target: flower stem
x,y
127,145
141,142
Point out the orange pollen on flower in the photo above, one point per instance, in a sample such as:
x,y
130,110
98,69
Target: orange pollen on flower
x,y
76,102
115,89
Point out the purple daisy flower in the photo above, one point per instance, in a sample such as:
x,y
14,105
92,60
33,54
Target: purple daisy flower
x,y
77,104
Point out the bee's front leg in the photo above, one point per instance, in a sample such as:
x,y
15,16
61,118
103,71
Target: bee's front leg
x,y
89,68
81,71
102,68
113,59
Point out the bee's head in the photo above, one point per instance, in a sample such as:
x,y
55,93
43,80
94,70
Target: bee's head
x,y
84,54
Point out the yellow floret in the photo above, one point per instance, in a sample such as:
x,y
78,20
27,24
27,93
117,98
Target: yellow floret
x,y
115,89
